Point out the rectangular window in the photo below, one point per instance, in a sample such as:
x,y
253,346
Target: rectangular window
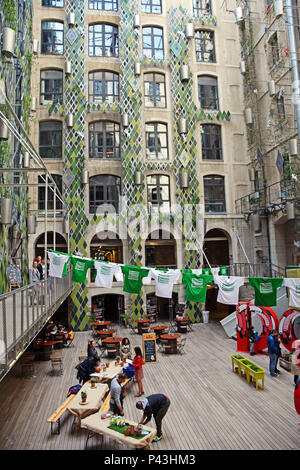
x,y
273,44
208,92
151,6
211,142
53,3
103,40
103,86
50,142
157,141
51,86
202,7
153,43
155,90
205,46
106,5
214,194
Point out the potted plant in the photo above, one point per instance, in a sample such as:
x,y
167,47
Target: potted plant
x,y
93,382
118,359
83,397
107,364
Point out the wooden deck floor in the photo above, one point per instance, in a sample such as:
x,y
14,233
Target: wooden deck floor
x,y
211,407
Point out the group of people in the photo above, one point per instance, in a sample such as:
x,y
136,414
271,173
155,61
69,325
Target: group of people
x,y
36,275
155,405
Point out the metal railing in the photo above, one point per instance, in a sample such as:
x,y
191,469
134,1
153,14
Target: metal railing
x,y
275,194
24,312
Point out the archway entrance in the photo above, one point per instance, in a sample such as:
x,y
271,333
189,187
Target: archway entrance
x,y
110,305
60,244
160,250
107,249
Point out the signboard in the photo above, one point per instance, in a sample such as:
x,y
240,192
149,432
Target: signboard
x,y
14,274
292,271
149,348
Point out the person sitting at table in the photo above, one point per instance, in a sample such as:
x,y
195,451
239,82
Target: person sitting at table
x,y
156,405
69,337
125,349
91,350
86,368
117,394
137,363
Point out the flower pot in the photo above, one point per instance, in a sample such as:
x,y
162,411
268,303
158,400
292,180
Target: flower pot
x,y
127,432
107,364
93,384
132,431
138,432
83,399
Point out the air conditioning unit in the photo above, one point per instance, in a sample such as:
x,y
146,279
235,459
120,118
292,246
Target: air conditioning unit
x,y
125,120
137,68
182,126
70,120
68,67
293,147
85,177
35,46
137,21
290,210
3,130
243,67
138,178
71,19
31,224
6,210
184,180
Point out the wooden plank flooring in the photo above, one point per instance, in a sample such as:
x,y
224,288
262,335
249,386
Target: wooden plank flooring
x,y
211,407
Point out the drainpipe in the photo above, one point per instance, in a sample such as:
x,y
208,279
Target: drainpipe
x,y
294,60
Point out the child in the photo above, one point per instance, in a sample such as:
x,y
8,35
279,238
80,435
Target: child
x,y
125,349
137,363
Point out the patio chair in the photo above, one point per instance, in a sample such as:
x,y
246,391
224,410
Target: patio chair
x,y
180,345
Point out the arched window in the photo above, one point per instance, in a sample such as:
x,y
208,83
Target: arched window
x,y
50,139
205,46
155,90
103,86
103,40
160,250
211,142
58,243
158,192
214,194
104,189
52,37
51,86
208,92
157,141
153,42
104,140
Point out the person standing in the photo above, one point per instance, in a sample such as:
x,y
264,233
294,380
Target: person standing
x,y
117,394
137,363
155,405
34,278
274,352
40,266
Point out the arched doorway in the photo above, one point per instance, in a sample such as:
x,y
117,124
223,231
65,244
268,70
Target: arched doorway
x,y
160,250
108,248
216,248
60,244
111,306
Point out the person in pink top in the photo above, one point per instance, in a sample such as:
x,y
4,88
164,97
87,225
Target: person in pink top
x,y
137,363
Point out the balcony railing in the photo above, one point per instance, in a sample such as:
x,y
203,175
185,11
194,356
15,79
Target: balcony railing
x,y
24,312
275,194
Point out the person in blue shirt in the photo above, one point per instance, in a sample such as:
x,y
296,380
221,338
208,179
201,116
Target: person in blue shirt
x,y
274,352
156,405
86,368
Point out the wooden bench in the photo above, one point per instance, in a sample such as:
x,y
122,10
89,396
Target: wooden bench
x,y
105,407
55,417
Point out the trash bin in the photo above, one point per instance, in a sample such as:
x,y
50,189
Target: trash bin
x,y
205,316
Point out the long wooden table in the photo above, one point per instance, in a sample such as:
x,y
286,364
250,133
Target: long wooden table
x,y
96,425
94,399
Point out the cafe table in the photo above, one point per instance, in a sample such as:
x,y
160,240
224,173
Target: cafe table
x,y
45,349
112,343
158,330
96,425
101,325
171,342
143,325
105,334
181,324
93,403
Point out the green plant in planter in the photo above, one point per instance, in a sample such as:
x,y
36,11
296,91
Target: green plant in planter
x,y
83,396
118,358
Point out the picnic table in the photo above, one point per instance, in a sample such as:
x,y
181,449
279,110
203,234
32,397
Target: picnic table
x,y
171,342
110,373
96,425
93,403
